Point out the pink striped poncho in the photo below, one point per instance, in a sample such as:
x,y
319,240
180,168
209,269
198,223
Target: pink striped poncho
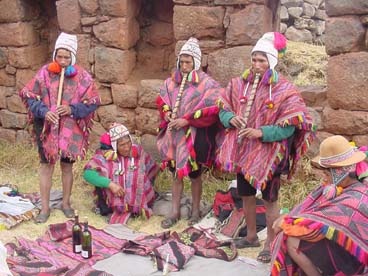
x,y
136,178
198,105
255,159
70,139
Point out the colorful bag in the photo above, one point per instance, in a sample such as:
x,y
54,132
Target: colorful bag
x,y
208,246
223,202
173,254
232,225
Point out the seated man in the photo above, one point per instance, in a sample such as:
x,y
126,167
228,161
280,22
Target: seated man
x,y
327,233
126,172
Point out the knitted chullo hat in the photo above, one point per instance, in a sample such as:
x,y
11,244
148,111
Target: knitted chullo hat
x,y
273,44
116,132
68,42
191,48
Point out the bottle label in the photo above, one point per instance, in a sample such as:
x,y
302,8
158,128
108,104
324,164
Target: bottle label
x,y
78,248
85,254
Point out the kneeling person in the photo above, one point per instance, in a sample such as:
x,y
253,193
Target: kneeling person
x,y
126,172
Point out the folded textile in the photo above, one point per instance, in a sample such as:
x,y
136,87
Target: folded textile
x,y
59,231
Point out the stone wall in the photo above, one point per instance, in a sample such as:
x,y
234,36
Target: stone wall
x,y
347,72
129,46
303,20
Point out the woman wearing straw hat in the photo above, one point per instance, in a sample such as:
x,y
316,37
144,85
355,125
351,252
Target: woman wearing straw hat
x,y
61,99
327,233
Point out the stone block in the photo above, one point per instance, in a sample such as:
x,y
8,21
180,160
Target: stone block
x,y
314,95
360,140
237,2
18,34
121,8
104,91
246,26
348,27
12,120
23,76
228,63
149,144
15,104
163,10
17,10
106,115
89,7
148,93
84,47
3,58
298,35
160,33
108,64
340,7
23,137
344,121
198,21
6,79
147,120
125,96
127,117
69,16
30,56
8,135
346,87
122,33
5,92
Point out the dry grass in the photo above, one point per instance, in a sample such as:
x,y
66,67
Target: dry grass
x,y
19,166
305,63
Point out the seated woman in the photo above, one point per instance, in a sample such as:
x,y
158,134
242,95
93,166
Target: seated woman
x,y
327,233
126,172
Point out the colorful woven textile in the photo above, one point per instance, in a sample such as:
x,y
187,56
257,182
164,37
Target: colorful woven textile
x,y
70,138
198,106
135,175
255,159
342,219
57,258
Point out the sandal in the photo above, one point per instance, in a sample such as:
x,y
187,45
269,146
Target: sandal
x,y
68,212
264,256
42,217
243,243
193,220
169,222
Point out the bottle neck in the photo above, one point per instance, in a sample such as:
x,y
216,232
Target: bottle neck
x,y
76,219
85,226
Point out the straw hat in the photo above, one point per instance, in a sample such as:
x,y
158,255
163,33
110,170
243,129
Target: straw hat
x,y
336,151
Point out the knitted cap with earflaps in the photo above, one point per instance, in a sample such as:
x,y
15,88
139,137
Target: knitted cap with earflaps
x,y
273,44
191,48
68,42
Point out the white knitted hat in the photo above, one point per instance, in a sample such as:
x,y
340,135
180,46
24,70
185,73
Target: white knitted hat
x,y
271,44
116,132
68,42
191,48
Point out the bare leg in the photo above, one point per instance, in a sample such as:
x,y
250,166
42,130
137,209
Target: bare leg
x,y
45,171
67,181
196,196
177,191
249,207
272,213
300,258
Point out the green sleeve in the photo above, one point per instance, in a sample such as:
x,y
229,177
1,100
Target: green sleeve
x,y
274,133
93,178
225,117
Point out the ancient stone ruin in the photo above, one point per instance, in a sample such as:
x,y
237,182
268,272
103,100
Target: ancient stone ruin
x,y
129,46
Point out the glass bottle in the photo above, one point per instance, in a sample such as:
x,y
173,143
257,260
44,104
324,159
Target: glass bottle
x,y
86,241
77,234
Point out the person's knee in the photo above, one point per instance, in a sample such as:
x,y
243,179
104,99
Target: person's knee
x,y
66,167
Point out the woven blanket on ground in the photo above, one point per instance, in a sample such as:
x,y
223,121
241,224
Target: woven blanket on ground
x,y
342,219
30,257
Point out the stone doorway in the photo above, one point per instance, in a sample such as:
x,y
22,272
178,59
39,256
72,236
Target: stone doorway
x,y
156,45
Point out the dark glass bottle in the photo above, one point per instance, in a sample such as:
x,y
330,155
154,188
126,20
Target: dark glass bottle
x,y
77,234
86,241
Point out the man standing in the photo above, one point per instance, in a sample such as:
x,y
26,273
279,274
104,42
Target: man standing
x,y
268,129
61,99
186,138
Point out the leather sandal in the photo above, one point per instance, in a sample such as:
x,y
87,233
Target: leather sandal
x,y
42,217
169,222
68,212
243,243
